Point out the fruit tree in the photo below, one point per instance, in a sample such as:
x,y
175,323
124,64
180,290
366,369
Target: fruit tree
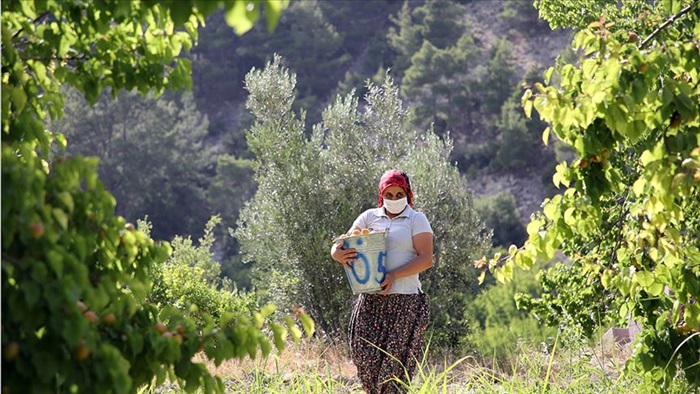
x,y
629,212
75,277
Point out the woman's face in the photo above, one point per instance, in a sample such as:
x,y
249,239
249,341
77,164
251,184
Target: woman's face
x,y
394,193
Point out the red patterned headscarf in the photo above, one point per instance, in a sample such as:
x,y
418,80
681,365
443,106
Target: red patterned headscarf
x,y
395,178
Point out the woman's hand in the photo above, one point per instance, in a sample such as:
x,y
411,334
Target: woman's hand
x,y
387,283
342,255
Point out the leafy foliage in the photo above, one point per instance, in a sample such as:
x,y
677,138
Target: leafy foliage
x,y
578,14
189,280
311,189
307,38
500,77
131,133
572,297
76,276
499,328
628,215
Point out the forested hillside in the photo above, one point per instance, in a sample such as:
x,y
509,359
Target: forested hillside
x,y
461,67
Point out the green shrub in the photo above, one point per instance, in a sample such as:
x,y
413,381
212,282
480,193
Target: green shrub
x,y
498,327
189,280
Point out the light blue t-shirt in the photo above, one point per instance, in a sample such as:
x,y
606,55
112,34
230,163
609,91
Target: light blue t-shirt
x,y
399,242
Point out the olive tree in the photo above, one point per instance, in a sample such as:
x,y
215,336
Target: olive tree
x,y
311,188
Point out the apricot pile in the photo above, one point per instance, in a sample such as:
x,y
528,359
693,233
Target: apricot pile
x,y
355,233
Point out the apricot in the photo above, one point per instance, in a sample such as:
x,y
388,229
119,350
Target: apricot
x,y
90,316
109,319
81,306
11,351
356,232
37,229
82,352
161,328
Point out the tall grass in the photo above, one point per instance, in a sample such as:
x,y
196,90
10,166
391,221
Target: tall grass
x,y
312,367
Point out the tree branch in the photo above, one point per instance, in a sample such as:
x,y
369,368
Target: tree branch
x,y
667,23
35,21
623,215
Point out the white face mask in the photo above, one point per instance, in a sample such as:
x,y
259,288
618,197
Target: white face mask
x,y
395,206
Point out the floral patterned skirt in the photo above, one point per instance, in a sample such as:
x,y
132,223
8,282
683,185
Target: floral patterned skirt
x,y
386,339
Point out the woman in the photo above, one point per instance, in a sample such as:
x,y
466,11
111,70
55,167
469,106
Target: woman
x,y
387,328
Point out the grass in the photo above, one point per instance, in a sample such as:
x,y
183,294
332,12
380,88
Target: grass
x,y
314,367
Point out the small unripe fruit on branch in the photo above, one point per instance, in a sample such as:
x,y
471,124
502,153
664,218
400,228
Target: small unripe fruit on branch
x,y
161,328
11,351
37,229
90,316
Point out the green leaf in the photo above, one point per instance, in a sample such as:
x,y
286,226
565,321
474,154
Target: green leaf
x,y
268,309
280,335
606,278
55,261
624,311
67,200
258,319
526,103
639,187
692,315
662,321
273,11
32,292
645,278
73,331
296,333
481,277
548,75
265,346
181,11
61,140
238,17
18,98
308,324
545,135
655,289
61,218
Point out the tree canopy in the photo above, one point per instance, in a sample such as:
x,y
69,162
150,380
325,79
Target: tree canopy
x,y
76,277
628,213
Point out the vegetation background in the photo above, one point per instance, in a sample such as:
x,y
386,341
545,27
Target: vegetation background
x,y
278,145
459,67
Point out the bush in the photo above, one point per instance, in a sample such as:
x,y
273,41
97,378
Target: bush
x,y
189,281
498,327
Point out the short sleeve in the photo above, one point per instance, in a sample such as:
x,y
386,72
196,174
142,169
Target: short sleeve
x,y
362,221
420,224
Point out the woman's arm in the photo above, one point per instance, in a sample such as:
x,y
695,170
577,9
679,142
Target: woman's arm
x,y
342,255
423,244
